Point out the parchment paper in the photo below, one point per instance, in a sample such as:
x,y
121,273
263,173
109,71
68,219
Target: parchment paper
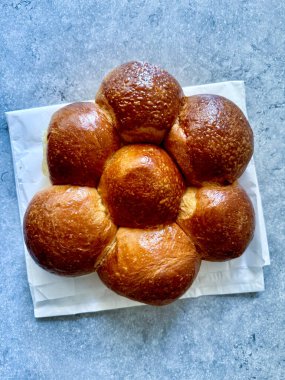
x,y
54,295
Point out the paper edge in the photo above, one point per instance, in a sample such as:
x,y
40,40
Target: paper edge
x,y
20,213
74,309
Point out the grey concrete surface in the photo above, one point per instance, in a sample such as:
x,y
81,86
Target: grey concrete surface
x,y
58,51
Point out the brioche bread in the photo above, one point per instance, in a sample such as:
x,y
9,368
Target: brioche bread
x,y
67,229
143,216
79,141
154,266
141,186
143,99
212,142
219,220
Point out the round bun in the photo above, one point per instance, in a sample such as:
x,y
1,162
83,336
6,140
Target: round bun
x,y
141,186
128,208
67,230
153,266
212,142
219,220
143,99
79,141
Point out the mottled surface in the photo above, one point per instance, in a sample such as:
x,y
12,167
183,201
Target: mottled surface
x,y
143,99
218,139
57,51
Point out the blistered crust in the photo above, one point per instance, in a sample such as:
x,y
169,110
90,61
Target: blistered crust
x,y
143,99
212,142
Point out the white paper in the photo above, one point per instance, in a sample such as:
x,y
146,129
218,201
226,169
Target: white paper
x,y
54,295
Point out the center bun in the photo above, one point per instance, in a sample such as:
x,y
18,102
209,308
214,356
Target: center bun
x,y
141,186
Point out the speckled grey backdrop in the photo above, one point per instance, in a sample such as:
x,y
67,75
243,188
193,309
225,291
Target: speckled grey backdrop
x,y
57,51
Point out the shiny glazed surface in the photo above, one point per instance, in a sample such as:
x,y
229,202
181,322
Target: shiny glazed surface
x,y
143,99
66,229
220,223
79,141
153,266
213,141
141,186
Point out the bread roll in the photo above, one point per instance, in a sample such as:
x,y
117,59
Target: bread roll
x,y
154,266
79,141
219,219
212,142
67,230
141,186
143,99
164,229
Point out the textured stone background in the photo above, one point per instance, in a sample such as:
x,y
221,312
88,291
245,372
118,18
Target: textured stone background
x,y
57,51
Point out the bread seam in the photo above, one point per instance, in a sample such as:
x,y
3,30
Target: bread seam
x,y
103,256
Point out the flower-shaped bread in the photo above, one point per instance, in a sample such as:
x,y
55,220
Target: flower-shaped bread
x,y
144,186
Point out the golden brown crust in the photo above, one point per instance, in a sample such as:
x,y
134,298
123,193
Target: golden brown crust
x,y
153,266
67,230
220,221
80,140
176,145
141,186
144,100
213,141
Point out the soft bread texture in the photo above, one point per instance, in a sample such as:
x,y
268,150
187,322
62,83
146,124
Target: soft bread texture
x,y
141,186
219,219
67,230
212,142
79,141
44,161
154,266
143,99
